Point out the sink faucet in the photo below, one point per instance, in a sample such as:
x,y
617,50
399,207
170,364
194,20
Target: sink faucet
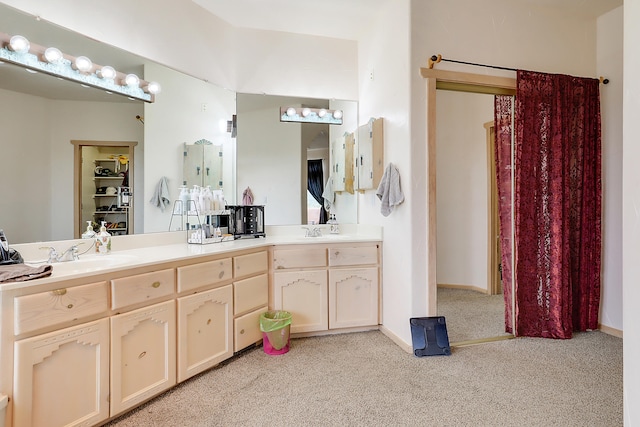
x,y
312,232
70,254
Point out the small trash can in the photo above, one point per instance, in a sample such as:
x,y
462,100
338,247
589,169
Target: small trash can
x,y
275,326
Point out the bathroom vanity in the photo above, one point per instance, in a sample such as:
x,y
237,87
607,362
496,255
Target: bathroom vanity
x,y
104,334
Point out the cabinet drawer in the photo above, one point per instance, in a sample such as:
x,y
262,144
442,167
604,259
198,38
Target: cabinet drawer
x,y
142,287
51,308
247,329
204,274
356,255
247,265
250,293
299,258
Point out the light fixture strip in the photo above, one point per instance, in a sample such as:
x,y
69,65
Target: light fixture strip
x,y
310,115
64,69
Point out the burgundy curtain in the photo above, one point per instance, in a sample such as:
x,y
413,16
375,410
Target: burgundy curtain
x,y
503,116
557,205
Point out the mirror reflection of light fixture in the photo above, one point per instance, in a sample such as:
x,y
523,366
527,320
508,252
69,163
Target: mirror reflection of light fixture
x,y
52,54
132,80
83,64
19,51
311,115
19,44
107,72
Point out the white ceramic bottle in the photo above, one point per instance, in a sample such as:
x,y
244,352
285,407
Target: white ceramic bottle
x,y
103,240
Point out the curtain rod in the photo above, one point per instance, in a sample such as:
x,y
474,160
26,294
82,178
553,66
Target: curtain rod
x,y
437,58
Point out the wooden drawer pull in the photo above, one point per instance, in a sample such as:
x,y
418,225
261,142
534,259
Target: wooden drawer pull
x,y
241,331
59,292
70,306
141,355
155,284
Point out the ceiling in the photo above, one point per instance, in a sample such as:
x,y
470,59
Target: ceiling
x,y
347,19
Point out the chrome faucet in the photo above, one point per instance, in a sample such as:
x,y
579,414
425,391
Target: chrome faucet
x,y
70,254
313,232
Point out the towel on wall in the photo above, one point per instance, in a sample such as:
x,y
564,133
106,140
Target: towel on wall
x,y
160,198
247,197
22,272
389,191
328,194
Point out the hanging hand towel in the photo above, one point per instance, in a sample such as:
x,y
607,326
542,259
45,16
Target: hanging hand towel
x,y
160,198
247,197
389,191
328,195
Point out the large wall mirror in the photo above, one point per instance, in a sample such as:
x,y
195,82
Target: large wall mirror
x,y
40,118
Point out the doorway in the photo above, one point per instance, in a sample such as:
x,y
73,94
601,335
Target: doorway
x,y
463,82
103,186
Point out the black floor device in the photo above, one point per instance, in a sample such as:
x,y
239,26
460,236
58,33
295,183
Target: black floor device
x,y
429,336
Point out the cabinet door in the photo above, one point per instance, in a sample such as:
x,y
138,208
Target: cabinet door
x,y
143,354
62,378
247,329
204,330
338,163
304,295
353,297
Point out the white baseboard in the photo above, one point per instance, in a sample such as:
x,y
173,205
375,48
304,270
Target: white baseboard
x,y
397,340
465,287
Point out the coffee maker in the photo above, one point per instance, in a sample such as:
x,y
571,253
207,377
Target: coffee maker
x,y
246,221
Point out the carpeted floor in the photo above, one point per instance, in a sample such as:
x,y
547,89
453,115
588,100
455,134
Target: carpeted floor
x,y
471,315
364,379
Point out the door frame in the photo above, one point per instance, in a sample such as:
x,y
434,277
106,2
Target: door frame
x,y
464,82
77,178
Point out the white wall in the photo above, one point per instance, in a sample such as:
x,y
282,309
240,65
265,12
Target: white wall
x,y
385,51
610,36
630,214
38,158
265,142
25,170
187,110
462,188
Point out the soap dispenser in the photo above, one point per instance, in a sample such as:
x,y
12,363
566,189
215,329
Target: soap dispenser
x,y
89,234
103,240
334,227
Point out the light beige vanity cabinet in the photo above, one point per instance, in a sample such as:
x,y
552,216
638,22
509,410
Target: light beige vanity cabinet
x,y
61,378
143,354
204,330
327,287
250,297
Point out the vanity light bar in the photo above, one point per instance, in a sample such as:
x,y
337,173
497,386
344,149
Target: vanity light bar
x,y
310,115
80,69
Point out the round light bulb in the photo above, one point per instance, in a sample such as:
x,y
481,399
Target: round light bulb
x,y
153,88
291,111
108,72
19,44
132,80
337,114
305,112
52,54
322,113
83,64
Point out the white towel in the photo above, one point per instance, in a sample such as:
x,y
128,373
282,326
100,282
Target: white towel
x,y
160,198
389,191
328,195
247,197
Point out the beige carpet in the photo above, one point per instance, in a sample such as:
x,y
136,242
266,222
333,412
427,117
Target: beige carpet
x,y
471,315
364,379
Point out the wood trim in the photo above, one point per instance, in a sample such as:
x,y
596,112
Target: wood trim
x,y
481,341
493,231
489,83
432,284
464,287
610,331
77,179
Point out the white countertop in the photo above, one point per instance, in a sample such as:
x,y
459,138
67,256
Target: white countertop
x,y
149,249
